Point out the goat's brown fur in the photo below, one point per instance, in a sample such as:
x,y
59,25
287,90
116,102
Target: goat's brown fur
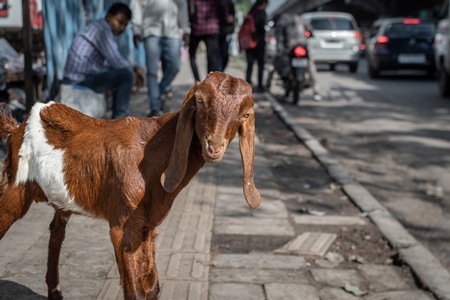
x,y
121,171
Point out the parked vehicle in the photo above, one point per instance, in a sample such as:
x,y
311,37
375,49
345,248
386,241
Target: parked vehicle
x,y
441,55
401,43
336,39
293,71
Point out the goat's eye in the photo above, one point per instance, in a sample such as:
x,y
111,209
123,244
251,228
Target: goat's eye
x,y
246,116
199,101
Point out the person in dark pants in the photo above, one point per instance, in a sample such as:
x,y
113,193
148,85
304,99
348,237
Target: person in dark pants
x,y
225,31
94,60
258,53
204,19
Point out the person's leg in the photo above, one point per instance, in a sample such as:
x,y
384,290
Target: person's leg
x,y
171,62
193,44
313,75
250,59
225,51
212,47
260,55
153,49
221,52
120,81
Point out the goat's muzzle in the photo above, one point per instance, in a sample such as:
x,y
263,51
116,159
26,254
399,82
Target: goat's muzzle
x,y
214,151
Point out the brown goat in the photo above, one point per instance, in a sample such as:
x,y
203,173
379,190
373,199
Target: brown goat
x,y
127,171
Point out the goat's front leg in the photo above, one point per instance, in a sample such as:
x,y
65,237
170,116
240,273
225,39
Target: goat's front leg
x,y
135,255
57,235
14,204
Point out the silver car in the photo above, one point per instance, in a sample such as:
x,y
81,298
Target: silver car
x,y
336,38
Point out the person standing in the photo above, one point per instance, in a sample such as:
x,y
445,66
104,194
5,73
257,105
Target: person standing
x,y
225,32
94,60
259,15
160,25
204,18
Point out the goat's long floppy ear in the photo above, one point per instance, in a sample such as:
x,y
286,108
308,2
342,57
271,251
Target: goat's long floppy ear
x,y
247,146
178,162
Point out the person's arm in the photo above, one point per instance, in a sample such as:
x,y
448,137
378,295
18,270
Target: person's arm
x,y
224,11
183,20
137,8
105,43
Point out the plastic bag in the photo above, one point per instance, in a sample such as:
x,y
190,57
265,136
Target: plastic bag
x,y
83,99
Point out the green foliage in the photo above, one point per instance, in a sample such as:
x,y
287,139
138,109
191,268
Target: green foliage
x,y
243,5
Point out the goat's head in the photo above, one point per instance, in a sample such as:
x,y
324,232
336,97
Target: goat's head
x,y
215,109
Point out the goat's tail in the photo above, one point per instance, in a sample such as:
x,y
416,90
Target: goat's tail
x,y
7,123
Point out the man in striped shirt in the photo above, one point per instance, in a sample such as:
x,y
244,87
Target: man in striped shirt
x,y
94,60
204,18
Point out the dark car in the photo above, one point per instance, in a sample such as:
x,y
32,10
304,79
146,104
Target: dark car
x,y
402,44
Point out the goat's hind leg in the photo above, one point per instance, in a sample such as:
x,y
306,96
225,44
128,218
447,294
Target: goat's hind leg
x,y
14,204
57,235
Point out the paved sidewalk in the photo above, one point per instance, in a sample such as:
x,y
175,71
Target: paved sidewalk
x,y
212,205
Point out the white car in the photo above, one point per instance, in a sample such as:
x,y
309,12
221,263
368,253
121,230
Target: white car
x,y
336,38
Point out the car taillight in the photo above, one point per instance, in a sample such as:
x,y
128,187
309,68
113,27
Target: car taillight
x,y
357,34
299,51
362,47
411,21
382,41
307,33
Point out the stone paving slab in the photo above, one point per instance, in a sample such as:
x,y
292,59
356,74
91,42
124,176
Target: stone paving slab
x,y
260,261
253,226
383,278
282,291
238,207
228,291
330,293
399,295
258,276
308,244
329,220
176,289
338,277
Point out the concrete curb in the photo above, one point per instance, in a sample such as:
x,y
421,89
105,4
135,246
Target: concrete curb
x,y
425,266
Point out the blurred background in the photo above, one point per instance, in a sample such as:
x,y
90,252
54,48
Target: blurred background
x,y
45,39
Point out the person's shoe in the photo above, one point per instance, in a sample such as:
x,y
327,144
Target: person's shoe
x,y
155,113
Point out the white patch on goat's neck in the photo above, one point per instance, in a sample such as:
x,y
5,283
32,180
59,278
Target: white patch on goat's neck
x,y
41,162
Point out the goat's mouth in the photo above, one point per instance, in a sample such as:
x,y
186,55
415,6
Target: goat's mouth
x,y
213,158
213,152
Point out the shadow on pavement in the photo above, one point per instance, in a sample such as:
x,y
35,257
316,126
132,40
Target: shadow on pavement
x,y
14,291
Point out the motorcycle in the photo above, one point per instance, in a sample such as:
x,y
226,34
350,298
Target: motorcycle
x,y
292,69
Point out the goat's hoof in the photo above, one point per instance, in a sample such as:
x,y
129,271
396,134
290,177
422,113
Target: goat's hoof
x,y
56,295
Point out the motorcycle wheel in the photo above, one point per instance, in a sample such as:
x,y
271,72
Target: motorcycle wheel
x,y
296,92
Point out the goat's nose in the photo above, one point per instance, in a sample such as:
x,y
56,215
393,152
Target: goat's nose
x,y
215,148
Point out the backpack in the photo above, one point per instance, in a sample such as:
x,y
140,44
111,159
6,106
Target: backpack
x,y
246,35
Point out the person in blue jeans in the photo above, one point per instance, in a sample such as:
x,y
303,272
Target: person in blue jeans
x,y
160,24
94,60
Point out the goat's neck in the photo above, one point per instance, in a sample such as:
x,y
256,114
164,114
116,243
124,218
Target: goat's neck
x,y
162,201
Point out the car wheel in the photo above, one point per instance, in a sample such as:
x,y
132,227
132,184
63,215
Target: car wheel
x,y
373,72
444,83
353,67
